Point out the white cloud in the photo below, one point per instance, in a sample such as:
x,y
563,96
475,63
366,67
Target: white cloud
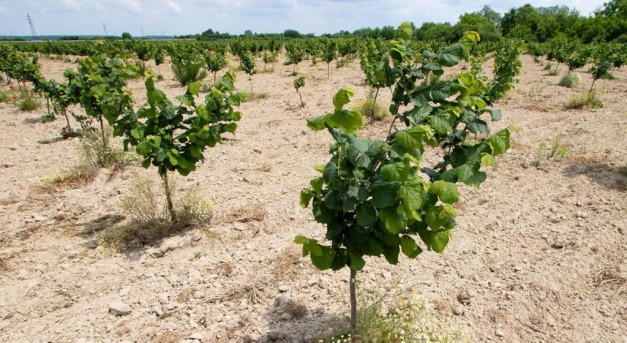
x,y
71,4
174,6
131,5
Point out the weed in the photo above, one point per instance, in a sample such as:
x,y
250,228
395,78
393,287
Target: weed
x,y
4,97
553,72
399,315
570,80
540,155
371,110
149,219
188,71
28,104
254,96
558,150
93,152
548,66
589,99
341,63
74,177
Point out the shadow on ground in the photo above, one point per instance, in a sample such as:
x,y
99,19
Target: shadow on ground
x,y
609,177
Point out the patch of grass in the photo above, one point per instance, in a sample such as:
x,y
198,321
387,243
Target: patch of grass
x,y
400,315
74,177
4,97
28,104
92,151
558,150
248,213
149,219
254,96
548,66
589,99
553,72
371,110
570,80
188,71
341,63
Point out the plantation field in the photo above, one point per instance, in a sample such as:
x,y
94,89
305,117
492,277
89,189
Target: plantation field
x,y
539,255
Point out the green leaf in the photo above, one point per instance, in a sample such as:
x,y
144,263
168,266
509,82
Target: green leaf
x,y
411,195
472,36
410,138
349,120
470,176
395,172
488,160
342,97
496,114
384,196
439,240
194,88
447,60
391,254
366,215
499,142
144,148
325,259
409,247
392,221
318,123
442,122
446,191
357,262
305,197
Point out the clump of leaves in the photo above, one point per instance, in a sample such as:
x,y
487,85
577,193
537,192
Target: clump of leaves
x,y
588,99
249,67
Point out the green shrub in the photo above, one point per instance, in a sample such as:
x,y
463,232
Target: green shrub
x,y
589,99
188,70
148,214
400,315
28,104
570,80
371,110
4,97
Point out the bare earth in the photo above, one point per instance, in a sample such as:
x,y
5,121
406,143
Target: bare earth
x,y
539,255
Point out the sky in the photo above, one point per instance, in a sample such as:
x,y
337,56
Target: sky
x,y
180,17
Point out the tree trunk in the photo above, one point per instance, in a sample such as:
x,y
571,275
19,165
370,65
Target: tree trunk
x,y
104,138
353,301
374,103
168,197
329,71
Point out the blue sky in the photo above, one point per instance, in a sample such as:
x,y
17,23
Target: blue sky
x,y
177,17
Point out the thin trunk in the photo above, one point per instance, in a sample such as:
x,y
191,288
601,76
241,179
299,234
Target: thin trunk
x,y
48,104
302,104
168,197
104,138
67,120
374,102
251,85
353,301
592,85
328,70
215,75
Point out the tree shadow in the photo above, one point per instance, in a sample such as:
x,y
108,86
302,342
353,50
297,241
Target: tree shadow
x,y
291,321
130,237
609,177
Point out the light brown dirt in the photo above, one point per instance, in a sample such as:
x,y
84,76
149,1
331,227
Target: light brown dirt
x,y
539,255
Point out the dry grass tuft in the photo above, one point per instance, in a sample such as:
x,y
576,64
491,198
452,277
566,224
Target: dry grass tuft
x,y
296,308
610,277
186,294
3,264
287,264
74,177
249,213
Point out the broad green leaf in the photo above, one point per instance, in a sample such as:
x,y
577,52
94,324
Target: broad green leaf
x,y
144,148
472,36
441,122
470,175
325,259
439,240
411,195
499,142
391,254
366,215
495,114
342,97
395,172
349,120
317,124
384,196
357,262
409,247
447,60
194,88
446,191
392,221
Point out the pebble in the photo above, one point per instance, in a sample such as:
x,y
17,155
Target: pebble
x,y
119,308
284,288
581,214
499,333
558,244
197,336
464,297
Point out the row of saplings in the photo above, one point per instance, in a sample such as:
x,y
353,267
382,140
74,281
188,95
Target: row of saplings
x,y
371,195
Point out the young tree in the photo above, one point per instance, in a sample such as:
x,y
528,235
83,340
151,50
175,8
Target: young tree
x,y
174,137
372,195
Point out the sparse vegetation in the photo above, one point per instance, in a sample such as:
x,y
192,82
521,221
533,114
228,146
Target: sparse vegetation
x,y
589,99
570,80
